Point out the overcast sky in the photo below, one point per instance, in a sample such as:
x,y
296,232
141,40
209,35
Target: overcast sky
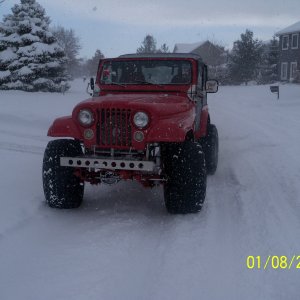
x,y
117,27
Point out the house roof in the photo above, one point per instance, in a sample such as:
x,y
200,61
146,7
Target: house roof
x,y
186,48
290,29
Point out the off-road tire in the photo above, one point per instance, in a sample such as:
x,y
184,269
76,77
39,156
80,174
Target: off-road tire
x,y
185,188
62,188
210,145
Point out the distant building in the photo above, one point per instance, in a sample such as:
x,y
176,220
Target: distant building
x,y
213,55
210,53
289,53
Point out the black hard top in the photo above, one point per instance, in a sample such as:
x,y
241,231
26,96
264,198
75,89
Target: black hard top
x,y
162,55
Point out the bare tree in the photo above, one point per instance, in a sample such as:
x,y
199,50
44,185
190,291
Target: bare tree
x,y
68,40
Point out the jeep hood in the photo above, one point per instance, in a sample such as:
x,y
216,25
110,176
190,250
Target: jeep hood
x,y
159,104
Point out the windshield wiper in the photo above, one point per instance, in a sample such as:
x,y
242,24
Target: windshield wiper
x,y
117,83
114,83
148,82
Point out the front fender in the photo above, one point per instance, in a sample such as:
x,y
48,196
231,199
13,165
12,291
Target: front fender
x,y
64,127
173,129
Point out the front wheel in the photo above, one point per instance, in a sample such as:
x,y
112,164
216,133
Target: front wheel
x,y
185,188
62,188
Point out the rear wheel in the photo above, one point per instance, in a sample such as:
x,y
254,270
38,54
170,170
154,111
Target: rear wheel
x,y
210,145
185,188
62,188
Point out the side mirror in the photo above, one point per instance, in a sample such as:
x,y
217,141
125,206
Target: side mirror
x,y
92,83
211,86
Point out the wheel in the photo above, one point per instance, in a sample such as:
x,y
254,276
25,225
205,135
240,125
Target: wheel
x,y
185,188
62,188
210,145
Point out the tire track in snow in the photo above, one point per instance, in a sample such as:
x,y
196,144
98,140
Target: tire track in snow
x,y
35,137
22,148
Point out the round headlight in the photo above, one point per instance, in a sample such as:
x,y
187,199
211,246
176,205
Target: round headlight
x,y
85,117
141,119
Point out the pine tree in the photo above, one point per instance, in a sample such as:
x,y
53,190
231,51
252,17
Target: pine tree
x,y
163,49
273,58
92,64
245,58
30,58
269,65
148,45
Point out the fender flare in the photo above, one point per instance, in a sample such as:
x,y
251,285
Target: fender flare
x,y
64,127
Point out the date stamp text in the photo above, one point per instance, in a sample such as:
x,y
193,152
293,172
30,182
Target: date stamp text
x,y
273,262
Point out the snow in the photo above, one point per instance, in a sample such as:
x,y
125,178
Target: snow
x,y
290,29
38,49
122,244
13,38
24,71
30,37
4,74
53,64
18,85
7,55
41,81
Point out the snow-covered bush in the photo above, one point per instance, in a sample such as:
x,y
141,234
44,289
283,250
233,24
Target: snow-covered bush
x,y
30,57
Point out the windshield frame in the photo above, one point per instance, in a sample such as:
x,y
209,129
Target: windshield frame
x,y
145,85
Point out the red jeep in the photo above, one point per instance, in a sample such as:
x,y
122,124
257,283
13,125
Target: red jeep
x,y
148,121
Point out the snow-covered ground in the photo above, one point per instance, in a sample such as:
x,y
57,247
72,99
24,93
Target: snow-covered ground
x,y
122,244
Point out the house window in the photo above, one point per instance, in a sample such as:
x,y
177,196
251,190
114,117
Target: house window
x,y
295,41
284,67
285,42
293,70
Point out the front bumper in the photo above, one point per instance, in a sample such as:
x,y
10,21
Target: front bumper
x,y
109,164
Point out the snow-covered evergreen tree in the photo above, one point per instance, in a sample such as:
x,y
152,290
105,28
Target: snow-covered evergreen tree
x,y
273,58
269,65
30,58
245,58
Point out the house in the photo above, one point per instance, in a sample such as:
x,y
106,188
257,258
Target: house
x,y
289,52
213,55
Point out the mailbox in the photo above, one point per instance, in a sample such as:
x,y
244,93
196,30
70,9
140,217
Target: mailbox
x,y
275,89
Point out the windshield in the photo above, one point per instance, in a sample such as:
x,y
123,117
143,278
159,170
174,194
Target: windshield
x,y
146,72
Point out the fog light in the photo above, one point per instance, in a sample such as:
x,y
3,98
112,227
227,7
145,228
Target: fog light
x,y
88,134
138,136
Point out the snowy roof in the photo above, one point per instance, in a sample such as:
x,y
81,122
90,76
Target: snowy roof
x,y
186,48
290,29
